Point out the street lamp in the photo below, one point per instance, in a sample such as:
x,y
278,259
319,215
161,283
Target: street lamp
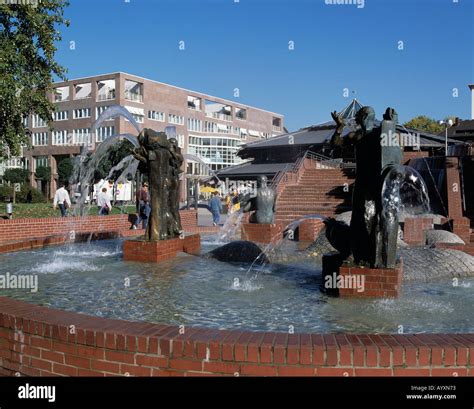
x,y
447,125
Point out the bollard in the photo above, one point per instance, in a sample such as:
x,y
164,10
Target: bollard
x,y
10,210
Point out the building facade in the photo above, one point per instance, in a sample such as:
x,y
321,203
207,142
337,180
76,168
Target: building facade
x,y
209,129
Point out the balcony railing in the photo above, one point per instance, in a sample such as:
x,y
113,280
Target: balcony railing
x,y
106,96
217,115
133,97
276,128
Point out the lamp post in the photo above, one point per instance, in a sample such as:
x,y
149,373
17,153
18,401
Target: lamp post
x,y
447,124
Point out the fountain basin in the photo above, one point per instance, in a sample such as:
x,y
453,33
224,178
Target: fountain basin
x,y
185,317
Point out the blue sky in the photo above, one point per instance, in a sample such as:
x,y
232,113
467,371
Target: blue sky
x,y
245,45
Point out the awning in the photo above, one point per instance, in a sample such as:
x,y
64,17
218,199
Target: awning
x,y
243,131
136,111
254,133
221,127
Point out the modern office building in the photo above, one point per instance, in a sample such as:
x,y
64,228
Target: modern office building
x,y
210,128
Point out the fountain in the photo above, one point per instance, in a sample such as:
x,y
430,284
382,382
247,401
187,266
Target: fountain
x,y
164,237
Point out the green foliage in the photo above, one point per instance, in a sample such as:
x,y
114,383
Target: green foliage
x,y
65,169
28,38
426,124
16,175
43,173
115,155
7,191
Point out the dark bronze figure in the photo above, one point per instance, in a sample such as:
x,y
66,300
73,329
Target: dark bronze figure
x,y
373,229
162,161
262,202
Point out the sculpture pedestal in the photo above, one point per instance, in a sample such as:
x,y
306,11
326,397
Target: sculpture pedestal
x,y
347,280
261,233
155,251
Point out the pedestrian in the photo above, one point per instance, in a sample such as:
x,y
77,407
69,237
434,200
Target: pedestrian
x,y
235,201
29,197
215,206
143,207
61,199
103,202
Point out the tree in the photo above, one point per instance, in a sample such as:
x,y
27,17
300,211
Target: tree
x,y
65,169
16,175
426,124
28,34
43,173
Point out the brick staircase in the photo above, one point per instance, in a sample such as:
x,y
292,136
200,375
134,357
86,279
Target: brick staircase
x,y
317,191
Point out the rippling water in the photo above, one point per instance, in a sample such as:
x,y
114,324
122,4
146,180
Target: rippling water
x,y
93,279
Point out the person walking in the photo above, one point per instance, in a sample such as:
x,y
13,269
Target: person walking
x,y
103,202
215,206
61,199
143,206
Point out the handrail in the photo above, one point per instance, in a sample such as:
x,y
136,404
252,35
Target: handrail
x,y
318,157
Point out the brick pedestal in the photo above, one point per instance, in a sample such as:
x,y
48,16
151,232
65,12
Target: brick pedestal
x,y
309,230
414,230
261,233
377,282
155,251
355,281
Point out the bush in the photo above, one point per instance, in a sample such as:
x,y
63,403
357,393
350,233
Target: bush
x,y
36,195
5,192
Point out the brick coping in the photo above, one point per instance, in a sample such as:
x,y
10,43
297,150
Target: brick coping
x,y
36,340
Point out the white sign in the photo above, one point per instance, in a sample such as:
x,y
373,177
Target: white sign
x,y
17,187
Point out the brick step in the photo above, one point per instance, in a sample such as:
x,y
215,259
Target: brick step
x,y
308,201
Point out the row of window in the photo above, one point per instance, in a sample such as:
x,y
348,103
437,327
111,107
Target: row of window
x,y
76,137
105,91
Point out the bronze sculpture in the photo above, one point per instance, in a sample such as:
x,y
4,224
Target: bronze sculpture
x,y
262,202
373,227
162,160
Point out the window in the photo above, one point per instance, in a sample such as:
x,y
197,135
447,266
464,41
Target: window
x,y
176,119
156,116
276,124
83,91
81,136
138,118
103,132
105,90
100,110
40,139
61,116
61,94
217,110
41,161
37,122
82,113
194,103
133,91
194,125
241,113
61,138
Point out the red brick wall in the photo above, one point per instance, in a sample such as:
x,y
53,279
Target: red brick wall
x,y
38,341
414,230
309,229
19,229
407,156
453,188
262,233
